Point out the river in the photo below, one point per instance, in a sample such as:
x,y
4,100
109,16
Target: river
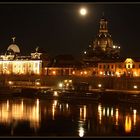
x,y
56,118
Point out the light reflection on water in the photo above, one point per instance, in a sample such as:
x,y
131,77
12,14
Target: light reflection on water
x,y
56,118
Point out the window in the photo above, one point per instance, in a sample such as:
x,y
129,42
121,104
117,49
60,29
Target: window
x,y
112,66
133,66
139,65
108,66
128,66
104,66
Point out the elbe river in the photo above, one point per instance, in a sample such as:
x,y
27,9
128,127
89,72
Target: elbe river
x,y
57,118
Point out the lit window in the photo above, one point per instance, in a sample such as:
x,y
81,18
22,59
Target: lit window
x,y
54,72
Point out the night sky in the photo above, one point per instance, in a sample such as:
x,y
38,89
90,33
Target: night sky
x,y
58,28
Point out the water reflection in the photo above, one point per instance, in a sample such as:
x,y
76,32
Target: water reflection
x,y
20,111
134,117
100,113
117,116
128,124
59,118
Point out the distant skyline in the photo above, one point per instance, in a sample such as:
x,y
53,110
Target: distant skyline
x,y
59,28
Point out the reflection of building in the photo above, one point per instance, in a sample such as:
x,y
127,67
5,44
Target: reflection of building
x,y
13,63
20,111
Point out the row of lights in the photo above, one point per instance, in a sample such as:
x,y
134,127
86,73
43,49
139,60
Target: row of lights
x,y
135,86
73,72
117,73
37,83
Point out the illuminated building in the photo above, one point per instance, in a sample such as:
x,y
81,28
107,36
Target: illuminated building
x,y
62,65
102,47
13,63
123,67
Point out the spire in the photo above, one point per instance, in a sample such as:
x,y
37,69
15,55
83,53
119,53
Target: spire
x,y
13,38
103,24
37,48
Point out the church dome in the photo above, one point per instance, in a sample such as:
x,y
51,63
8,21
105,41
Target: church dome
x,y
13,47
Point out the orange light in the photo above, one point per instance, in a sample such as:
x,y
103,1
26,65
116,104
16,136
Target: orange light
x,y
101,72
73,72
37,83
85,72
54,72
128,124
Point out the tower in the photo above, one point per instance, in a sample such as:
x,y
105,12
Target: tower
x,y
101,47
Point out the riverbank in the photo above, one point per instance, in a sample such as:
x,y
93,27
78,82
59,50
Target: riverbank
x,y
50,92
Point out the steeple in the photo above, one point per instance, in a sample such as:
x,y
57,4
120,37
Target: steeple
x,y
13,38
103,24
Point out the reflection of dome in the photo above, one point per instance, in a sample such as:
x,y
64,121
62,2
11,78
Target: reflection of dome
x,y
14,47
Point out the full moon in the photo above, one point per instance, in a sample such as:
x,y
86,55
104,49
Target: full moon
x,y
83,11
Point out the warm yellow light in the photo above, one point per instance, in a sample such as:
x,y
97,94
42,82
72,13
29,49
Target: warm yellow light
x,y
54,72
70,81
135,73
83,11
108,112
135,86
85,72
55,93
81,72
73,72
112,112
117,116
10,82
85,112
99,85
60,85
81,132
65,81
134,116
101,72
118,74
114,46
37,83
85,52
100,113
128,124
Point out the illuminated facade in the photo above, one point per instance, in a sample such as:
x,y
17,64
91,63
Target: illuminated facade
x,y
102,47
62,65
13,63
128,67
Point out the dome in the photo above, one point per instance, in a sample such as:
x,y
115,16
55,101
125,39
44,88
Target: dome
x,y
14,47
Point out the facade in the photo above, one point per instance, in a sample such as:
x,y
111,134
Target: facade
x,y
102,47
62,65
102,59
13,63
129,67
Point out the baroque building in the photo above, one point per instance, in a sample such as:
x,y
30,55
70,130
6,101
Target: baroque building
x,y
102,47
13,63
